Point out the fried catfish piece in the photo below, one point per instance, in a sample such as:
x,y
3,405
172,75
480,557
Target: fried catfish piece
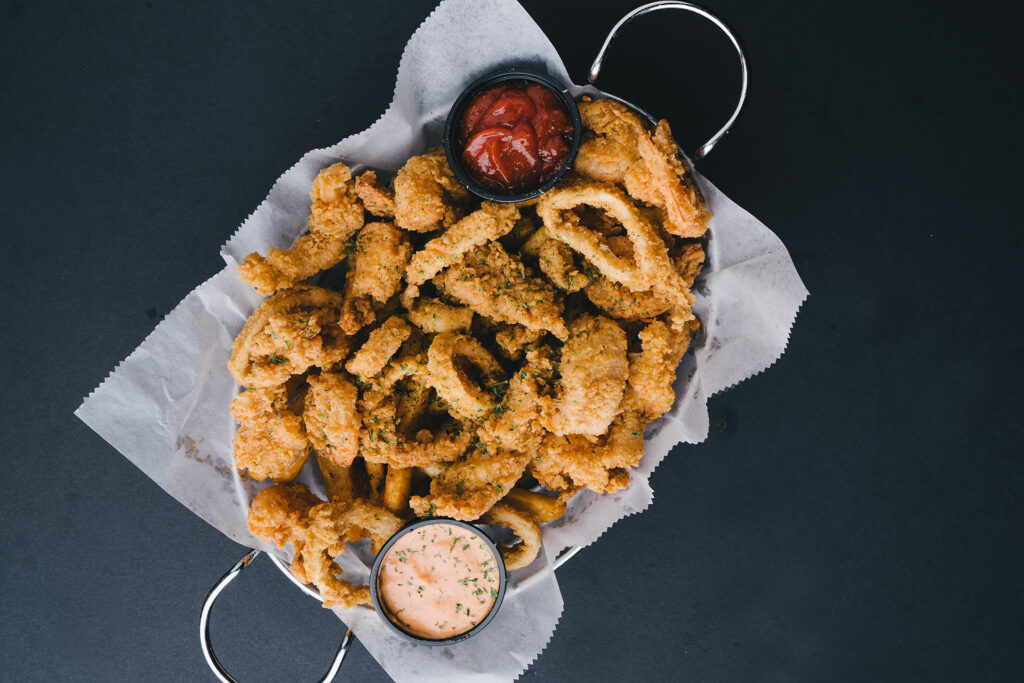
x,y
271,439
374,274
331,416
594,370
335,215
377,200
497,285
488,223
428,197
288,333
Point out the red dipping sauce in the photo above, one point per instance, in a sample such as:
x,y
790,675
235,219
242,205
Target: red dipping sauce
x,y
515,136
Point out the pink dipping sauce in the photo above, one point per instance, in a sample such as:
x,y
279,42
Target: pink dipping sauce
x,y
438,581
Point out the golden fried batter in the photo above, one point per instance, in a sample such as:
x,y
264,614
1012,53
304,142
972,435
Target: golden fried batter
x,y
449,360
427,195
594,369
495,284
287,334
433,316
374,275
652,373
523,525
332,417
271,440
380,346
335,215
377,200
484,225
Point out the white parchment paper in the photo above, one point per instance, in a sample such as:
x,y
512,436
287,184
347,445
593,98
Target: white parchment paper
x,y
165,407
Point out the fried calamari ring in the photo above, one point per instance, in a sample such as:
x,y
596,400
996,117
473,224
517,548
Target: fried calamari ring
x,y
650,266
336,213
377,200
374,273
663,180
618,301
332,417
486,224
556,261
448,359
433,316
594,370
427,194
287,334
497,285
523,525
378,349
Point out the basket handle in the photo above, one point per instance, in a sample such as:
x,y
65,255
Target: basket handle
x,y
204,627
595,68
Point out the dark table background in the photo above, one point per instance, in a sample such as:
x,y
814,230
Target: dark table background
x,y
855,514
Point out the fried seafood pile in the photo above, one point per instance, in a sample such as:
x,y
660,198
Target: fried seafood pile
x,y
475,350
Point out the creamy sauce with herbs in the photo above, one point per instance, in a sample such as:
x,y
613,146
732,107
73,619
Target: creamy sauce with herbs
x,y
438,581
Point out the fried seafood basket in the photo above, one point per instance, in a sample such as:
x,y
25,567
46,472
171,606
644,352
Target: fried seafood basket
x,y
214,663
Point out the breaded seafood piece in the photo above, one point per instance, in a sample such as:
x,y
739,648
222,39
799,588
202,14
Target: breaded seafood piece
x,y
512,340
433,316
620,302
515,423
428,197
653,372
449,357
488,223
290,332
378,349
612,120
377,200
663,180
374,274
605,158
497,285
271,439
523,525
602,465
331,416
649,267
594,369
335,215
471,486
319,531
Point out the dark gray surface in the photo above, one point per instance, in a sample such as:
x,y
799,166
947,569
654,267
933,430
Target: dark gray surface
x,y
856,513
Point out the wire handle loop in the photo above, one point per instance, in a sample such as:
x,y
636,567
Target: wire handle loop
x,y
595,68
204,627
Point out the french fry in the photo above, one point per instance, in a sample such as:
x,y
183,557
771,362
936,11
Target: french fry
x,y
375,472
544,508
397,489
342,483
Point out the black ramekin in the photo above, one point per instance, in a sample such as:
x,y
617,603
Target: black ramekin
x,y
375,577
451,130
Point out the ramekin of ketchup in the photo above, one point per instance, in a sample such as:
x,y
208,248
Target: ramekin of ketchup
x,y
512,135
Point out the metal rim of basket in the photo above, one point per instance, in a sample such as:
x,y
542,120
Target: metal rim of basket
x,y
566,554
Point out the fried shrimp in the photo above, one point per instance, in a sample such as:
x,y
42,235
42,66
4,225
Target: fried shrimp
x,y
427,195
497,285
287,334
271,439
375,272
332,417
484,225
335,215
377,200
594,370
